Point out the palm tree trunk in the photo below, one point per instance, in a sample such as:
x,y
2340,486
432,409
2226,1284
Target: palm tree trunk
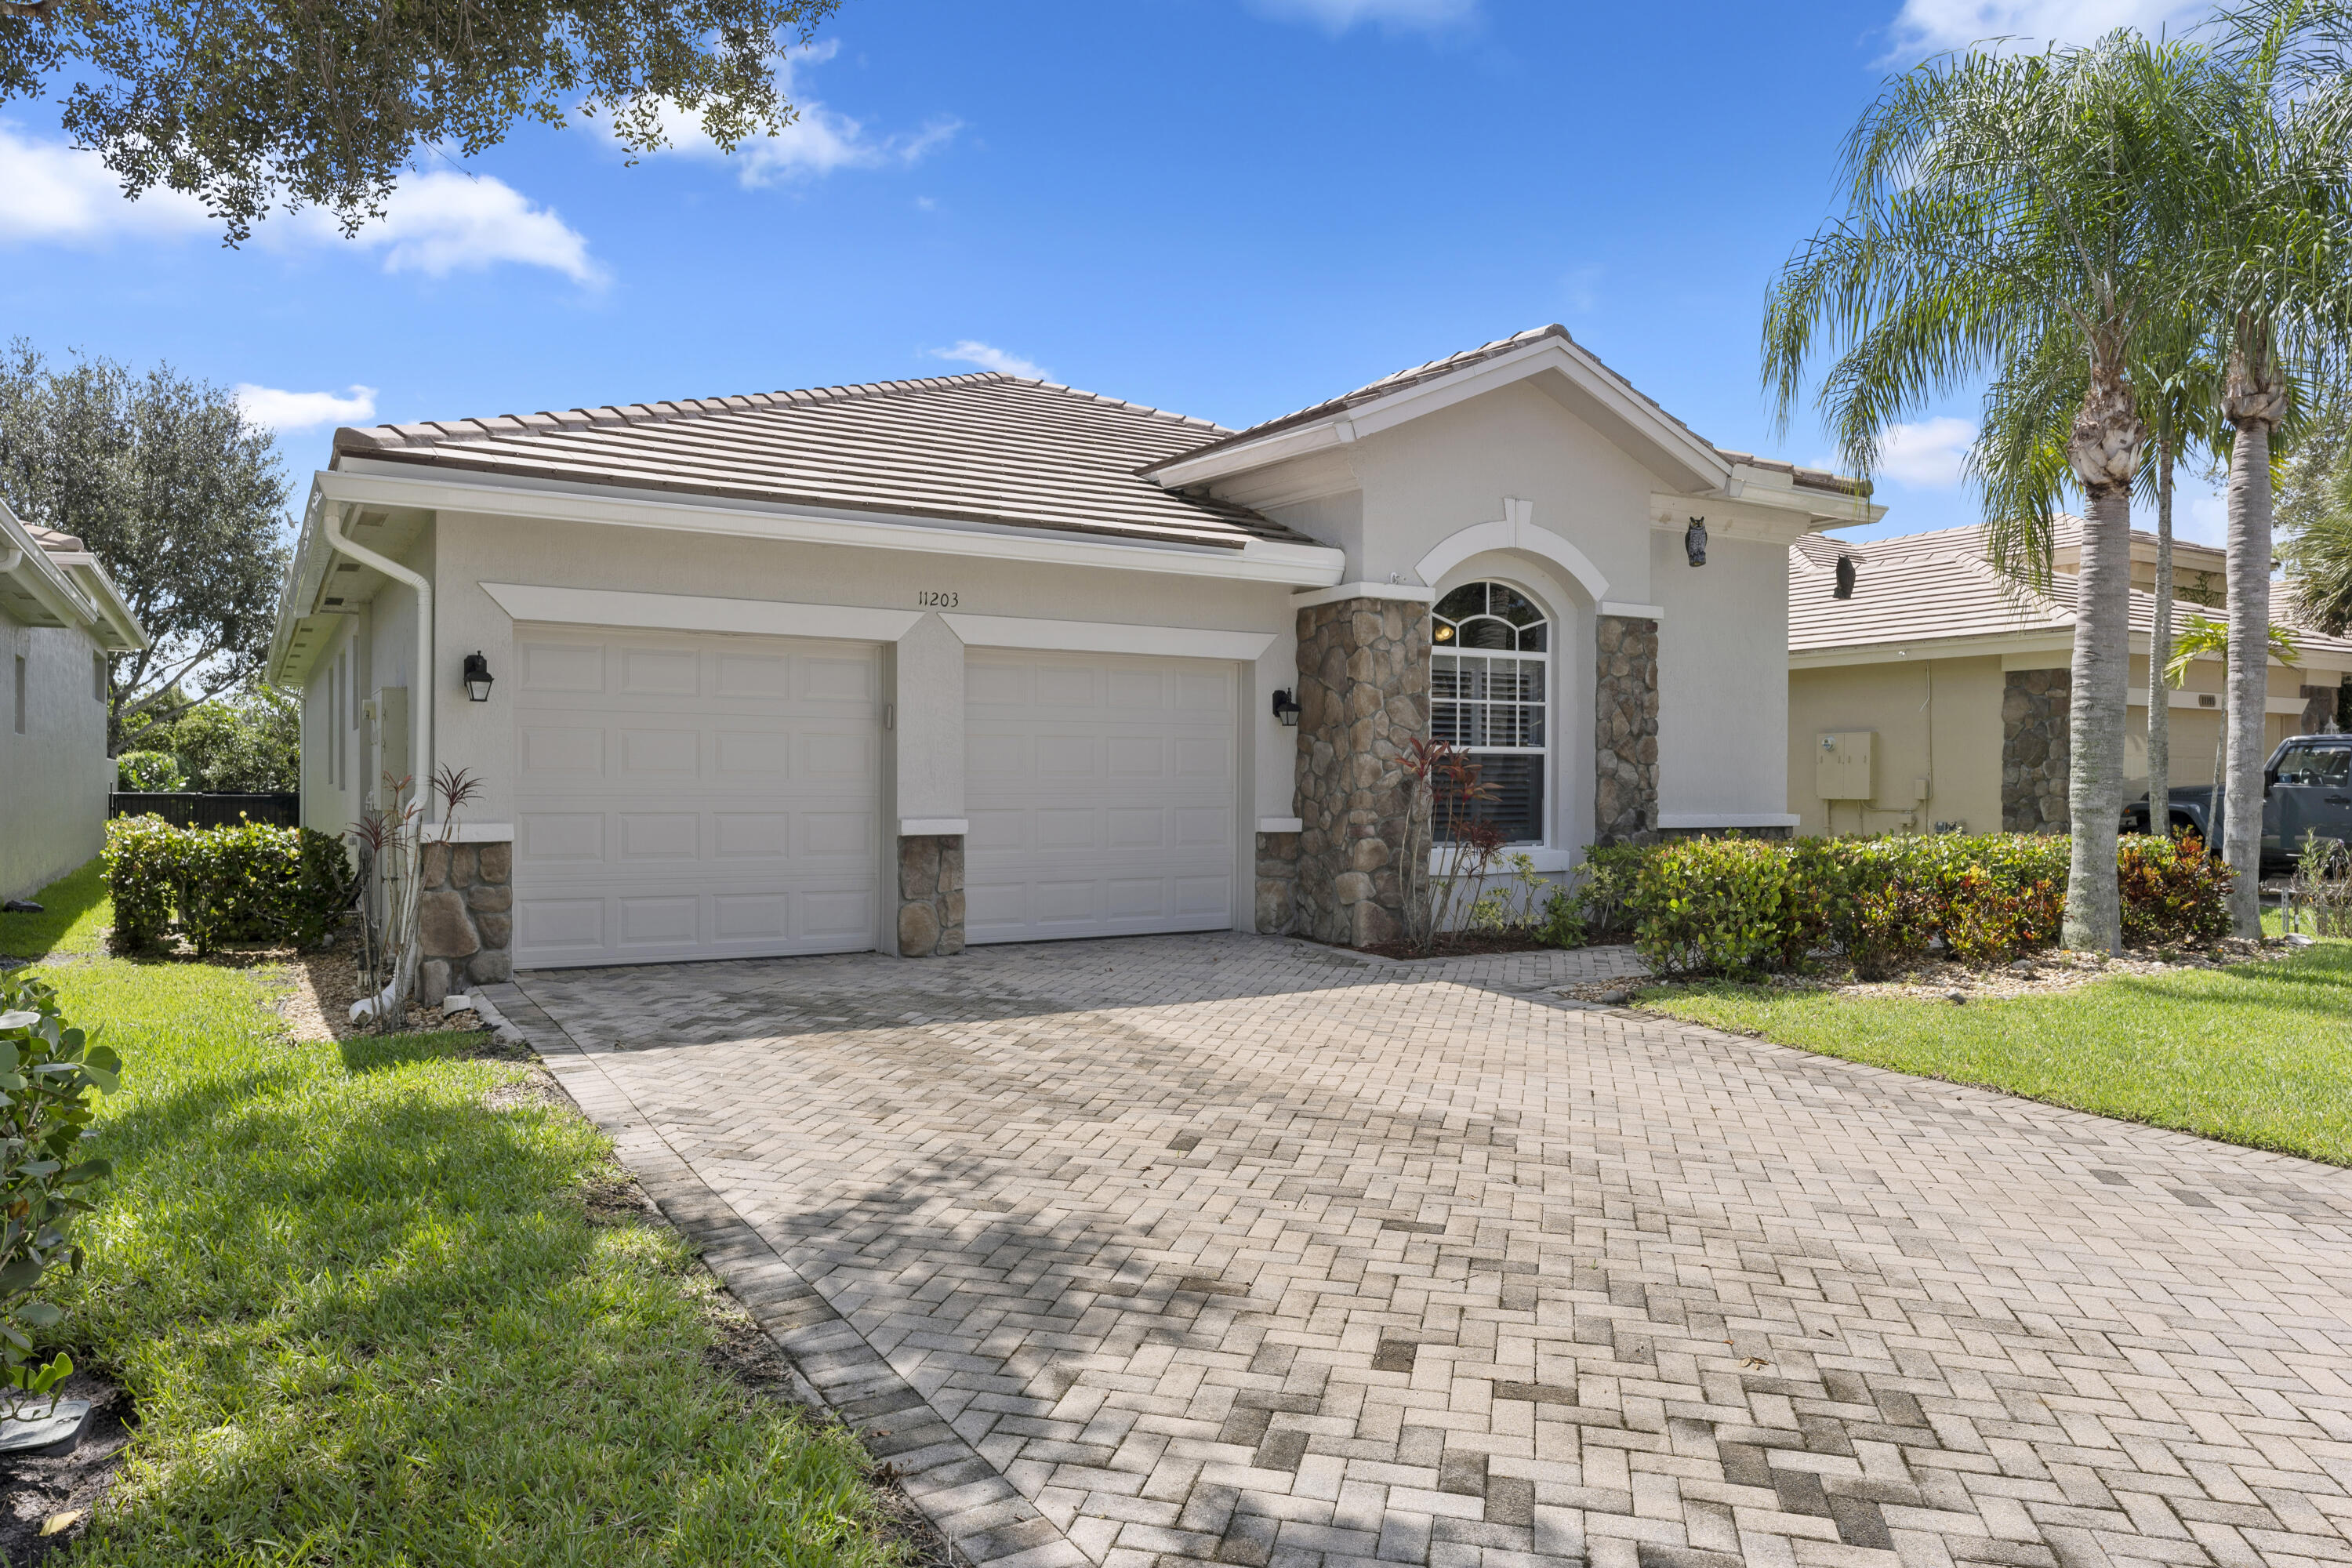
x,y
2159,648
2253,401
2103,451
2247,678
2094,780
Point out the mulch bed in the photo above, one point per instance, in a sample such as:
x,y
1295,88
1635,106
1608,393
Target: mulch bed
x,y
1461,944
2042,973
36,1492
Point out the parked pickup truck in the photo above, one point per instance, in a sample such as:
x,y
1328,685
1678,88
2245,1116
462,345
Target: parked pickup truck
x,y
2306,788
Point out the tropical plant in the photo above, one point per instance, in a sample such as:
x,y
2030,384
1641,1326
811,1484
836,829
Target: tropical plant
x,y
149,772
2204,639
1443,822
50,1073
2314,517
2002,208
394,841
249,744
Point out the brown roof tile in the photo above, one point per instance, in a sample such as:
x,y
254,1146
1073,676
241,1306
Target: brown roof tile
x,y
985,447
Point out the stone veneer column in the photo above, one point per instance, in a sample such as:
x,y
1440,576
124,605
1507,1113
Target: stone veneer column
x,y
1363,696
1625,738
930,895
465,918
2035,747
1277,883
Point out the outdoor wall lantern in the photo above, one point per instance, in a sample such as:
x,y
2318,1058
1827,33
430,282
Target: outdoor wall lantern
x,y
1286,710
477,677
1695,542
1845,589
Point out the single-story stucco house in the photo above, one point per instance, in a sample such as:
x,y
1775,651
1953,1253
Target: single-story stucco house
x,y
1934,696
980,659
60,615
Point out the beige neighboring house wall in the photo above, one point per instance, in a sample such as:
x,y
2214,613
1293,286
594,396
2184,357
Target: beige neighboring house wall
x,y
59,616
1923,658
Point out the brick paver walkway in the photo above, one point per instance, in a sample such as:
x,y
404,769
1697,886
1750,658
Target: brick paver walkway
x,y
1230,1249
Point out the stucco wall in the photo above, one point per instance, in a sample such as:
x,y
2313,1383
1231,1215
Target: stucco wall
x,y
1723,691
1953,741
53,777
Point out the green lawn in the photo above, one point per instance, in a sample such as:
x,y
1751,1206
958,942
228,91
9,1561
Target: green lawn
x,y
74,918
369,1318
2259,1054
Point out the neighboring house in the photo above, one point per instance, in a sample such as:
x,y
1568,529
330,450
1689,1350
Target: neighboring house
x,y
1960,681
982,658
60,617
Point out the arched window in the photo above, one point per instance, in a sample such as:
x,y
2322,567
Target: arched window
x,y
1490,647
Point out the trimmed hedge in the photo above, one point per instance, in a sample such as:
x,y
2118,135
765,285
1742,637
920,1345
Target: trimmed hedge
x,y
1749,905
253,882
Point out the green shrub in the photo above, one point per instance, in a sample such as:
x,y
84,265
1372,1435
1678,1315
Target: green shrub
x,y
149,772
1718,904
2174,894
1562,925
48,1074
1604,898
249,883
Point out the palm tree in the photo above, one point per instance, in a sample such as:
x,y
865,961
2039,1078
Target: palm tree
x,y
2180,397
2319,561
2199,638
2274,285
1999,205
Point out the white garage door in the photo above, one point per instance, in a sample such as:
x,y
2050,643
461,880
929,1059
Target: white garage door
x,y
682,796
1100,794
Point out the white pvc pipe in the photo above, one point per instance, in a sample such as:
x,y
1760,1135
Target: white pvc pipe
x,y
330,527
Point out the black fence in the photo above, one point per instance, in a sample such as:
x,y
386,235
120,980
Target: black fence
x,y
186,808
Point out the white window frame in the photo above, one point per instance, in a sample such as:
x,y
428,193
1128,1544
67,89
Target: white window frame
x,y
1550,751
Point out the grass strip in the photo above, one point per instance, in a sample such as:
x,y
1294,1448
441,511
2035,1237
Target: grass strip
x,y
2255,1054
369,1318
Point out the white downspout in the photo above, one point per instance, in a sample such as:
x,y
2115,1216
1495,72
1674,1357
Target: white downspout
x,y
331,526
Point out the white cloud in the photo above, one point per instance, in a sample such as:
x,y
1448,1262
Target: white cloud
x,y
970,350
1339,16
279,410
436,223
1927,26
442,222
1927,455
818,141
52,192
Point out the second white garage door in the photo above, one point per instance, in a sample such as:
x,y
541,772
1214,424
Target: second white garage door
x,y
685,796
1100,793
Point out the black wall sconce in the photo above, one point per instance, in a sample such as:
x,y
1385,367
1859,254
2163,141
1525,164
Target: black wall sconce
x,y
1286,710
1695,542
477,677
1845,589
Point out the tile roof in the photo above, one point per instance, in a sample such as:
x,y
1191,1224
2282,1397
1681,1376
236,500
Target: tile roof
x,y
1938,586
52,541
1414,376
987,447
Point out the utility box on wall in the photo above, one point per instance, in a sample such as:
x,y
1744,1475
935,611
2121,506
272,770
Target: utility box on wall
x,y
1842,765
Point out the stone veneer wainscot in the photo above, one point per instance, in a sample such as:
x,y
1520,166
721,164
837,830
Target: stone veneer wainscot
x,y
2034,749
1625,730
930,895
1363,699
465,917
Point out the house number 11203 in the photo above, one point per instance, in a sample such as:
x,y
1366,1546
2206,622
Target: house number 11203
x,y
936,599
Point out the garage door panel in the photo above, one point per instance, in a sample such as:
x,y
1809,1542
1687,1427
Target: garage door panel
x,y
1098,801
717,797
571,667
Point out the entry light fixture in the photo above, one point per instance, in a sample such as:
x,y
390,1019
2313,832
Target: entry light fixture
x,y
1286,710
1695,542
477,677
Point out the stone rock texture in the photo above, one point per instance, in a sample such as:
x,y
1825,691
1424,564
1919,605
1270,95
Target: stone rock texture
x,y
1277,883
930,895
1625,738
465,923
2320,704
1363,696
2034,747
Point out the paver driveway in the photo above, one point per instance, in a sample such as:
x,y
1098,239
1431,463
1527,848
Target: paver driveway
x,y
1235,1249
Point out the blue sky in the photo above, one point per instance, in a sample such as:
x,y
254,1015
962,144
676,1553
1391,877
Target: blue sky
x,y
1226,207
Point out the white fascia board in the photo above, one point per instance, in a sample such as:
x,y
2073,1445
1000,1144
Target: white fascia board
x,y
46,577
2034,644
689,612
1107,637
1281,824
1387,412
933,827
1408,593
1259,560
123,632
2192,701
1633,612
1749,519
